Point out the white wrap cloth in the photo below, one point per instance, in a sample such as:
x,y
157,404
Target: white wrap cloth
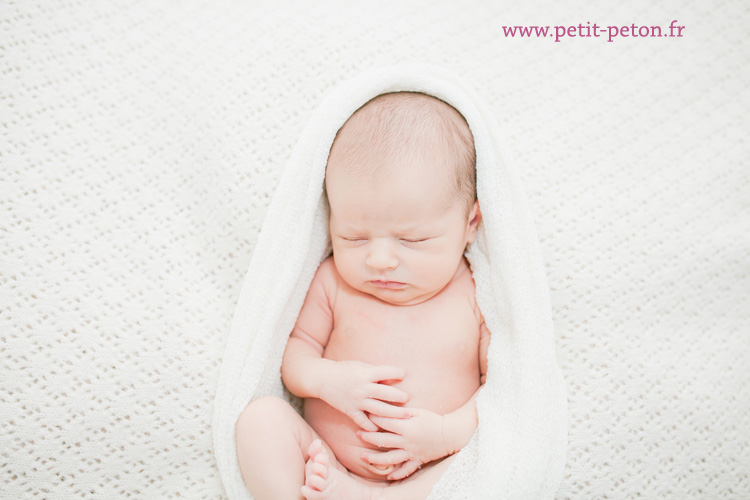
x,y
518,451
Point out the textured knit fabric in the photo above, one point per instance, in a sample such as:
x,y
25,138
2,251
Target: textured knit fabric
x,y
140,143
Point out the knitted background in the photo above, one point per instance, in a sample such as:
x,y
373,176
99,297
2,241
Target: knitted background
x,y
140,143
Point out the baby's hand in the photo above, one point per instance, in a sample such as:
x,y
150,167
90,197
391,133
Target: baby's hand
x,y
413,441
353,388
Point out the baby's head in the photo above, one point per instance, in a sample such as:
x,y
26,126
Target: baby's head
x,y
400,181
391,131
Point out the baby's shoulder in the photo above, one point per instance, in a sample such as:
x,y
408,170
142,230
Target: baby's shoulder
x,y
326,268
327,277
326,273
467,287
463,282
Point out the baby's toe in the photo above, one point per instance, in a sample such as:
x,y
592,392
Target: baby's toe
x,y
322,458
309,468
315,448
311,494
315,482
318,469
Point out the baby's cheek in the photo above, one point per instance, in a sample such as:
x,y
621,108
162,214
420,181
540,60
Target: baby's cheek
x,y
348,269
441,268
340,261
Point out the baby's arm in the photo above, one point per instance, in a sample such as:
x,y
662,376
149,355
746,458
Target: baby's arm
x,y
413,439
303,369
461,424
351,387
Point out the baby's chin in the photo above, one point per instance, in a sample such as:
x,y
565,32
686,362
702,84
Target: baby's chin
x,y
398,297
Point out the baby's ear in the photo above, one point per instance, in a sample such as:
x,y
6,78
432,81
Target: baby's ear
x,y
475,217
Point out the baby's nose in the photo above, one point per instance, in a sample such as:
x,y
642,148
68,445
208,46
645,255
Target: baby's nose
x,y
381,256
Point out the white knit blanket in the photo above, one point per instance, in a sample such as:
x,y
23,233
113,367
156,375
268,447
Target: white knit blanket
x,y
518,451
141,142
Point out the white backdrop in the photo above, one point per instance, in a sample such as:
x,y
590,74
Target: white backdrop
x,y
140,143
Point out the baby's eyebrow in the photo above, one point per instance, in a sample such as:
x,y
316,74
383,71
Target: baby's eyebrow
x,y
350,230
417,229
410,228
346,226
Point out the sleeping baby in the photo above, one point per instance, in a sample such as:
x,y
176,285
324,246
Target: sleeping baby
x,y
389,349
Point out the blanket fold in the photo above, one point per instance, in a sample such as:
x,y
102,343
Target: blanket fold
x,y
518,451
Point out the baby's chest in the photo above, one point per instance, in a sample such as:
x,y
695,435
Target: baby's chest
x,y
404,336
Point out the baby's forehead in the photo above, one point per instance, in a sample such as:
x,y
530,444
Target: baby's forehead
x,y
403,114
405,137
405,125
390,166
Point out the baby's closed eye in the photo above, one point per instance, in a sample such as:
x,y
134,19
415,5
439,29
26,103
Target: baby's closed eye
x,y
361,239
414,240
353,241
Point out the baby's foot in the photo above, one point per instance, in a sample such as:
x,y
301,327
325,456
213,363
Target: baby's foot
x,y
323,481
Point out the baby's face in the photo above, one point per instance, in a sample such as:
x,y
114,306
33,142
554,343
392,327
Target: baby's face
x,y
399,236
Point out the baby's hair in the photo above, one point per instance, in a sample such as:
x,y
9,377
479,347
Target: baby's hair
x,y
397,124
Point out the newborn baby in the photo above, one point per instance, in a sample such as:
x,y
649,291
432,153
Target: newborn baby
x,y
389,349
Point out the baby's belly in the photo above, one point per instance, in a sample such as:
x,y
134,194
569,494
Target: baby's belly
x,y
435,343
339,432
429,391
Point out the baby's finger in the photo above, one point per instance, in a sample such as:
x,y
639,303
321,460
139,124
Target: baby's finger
x,y
388,393
361,420
392,457
382,439
406,470
379,408
394,425
386,372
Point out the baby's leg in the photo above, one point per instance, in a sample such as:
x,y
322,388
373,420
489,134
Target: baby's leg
x,y
272,442
419,484
324,482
